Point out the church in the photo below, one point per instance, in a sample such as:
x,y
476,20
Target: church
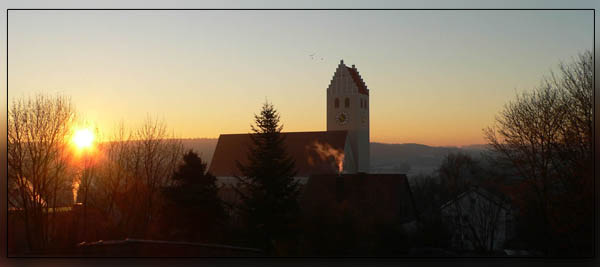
x,y
332,166
343,148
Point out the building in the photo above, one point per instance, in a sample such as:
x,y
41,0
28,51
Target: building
x,y
332,166
370,198
343,148
348,110
479,219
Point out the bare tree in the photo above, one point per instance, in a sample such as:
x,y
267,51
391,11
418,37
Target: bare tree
x,y
38,134
138,163
546,135
458,172
114,175
157,158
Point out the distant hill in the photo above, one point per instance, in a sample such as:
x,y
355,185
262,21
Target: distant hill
x,y
478,147
205,147
413,159
410,159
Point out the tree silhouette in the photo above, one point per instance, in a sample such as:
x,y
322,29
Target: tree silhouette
x,y
195,205
150,160
267,188
546,135
458,171
39,130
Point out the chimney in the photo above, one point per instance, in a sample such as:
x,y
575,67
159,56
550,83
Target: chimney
x,y
353,66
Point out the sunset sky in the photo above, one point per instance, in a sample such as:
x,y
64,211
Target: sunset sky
x,y
435,77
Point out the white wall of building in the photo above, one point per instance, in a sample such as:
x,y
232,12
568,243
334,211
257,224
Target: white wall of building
x,y
472,214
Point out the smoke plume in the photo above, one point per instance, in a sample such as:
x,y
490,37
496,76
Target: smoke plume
x,y
325,151
75,185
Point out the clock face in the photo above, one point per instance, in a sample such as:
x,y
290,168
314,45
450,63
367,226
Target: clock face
x,y
342,118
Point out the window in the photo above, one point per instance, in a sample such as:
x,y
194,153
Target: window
x,y
361,103
347,102
337,103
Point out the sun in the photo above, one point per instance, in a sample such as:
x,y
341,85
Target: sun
x,y
83,138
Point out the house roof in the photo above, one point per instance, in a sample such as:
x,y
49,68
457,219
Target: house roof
x,y
362,87
368,196
303,147
493,197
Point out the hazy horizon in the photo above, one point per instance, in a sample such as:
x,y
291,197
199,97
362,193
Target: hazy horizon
x,y
386,143
435,77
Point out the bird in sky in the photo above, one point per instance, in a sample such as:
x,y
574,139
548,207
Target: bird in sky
x,y
313,57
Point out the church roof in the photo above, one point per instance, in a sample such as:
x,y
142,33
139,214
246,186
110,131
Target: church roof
x,y
310,150
362,87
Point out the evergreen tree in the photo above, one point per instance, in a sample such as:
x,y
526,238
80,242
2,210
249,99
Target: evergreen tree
x,y
195,207
267,188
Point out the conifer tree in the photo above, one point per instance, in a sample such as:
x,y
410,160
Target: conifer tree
x,y
195,205
267,188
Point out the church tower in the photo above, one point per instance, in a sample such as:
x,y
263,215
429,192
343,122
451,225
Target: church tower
x,y
348,109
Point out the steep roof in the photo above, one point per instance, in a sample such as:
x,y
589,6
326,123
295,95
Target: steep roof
x,y
362,87
384,197
303,147
493,196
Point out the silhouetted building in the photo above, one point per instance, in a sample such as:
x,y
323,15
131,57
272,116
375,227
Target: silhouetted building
x,y
332,167
479,219
372,198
